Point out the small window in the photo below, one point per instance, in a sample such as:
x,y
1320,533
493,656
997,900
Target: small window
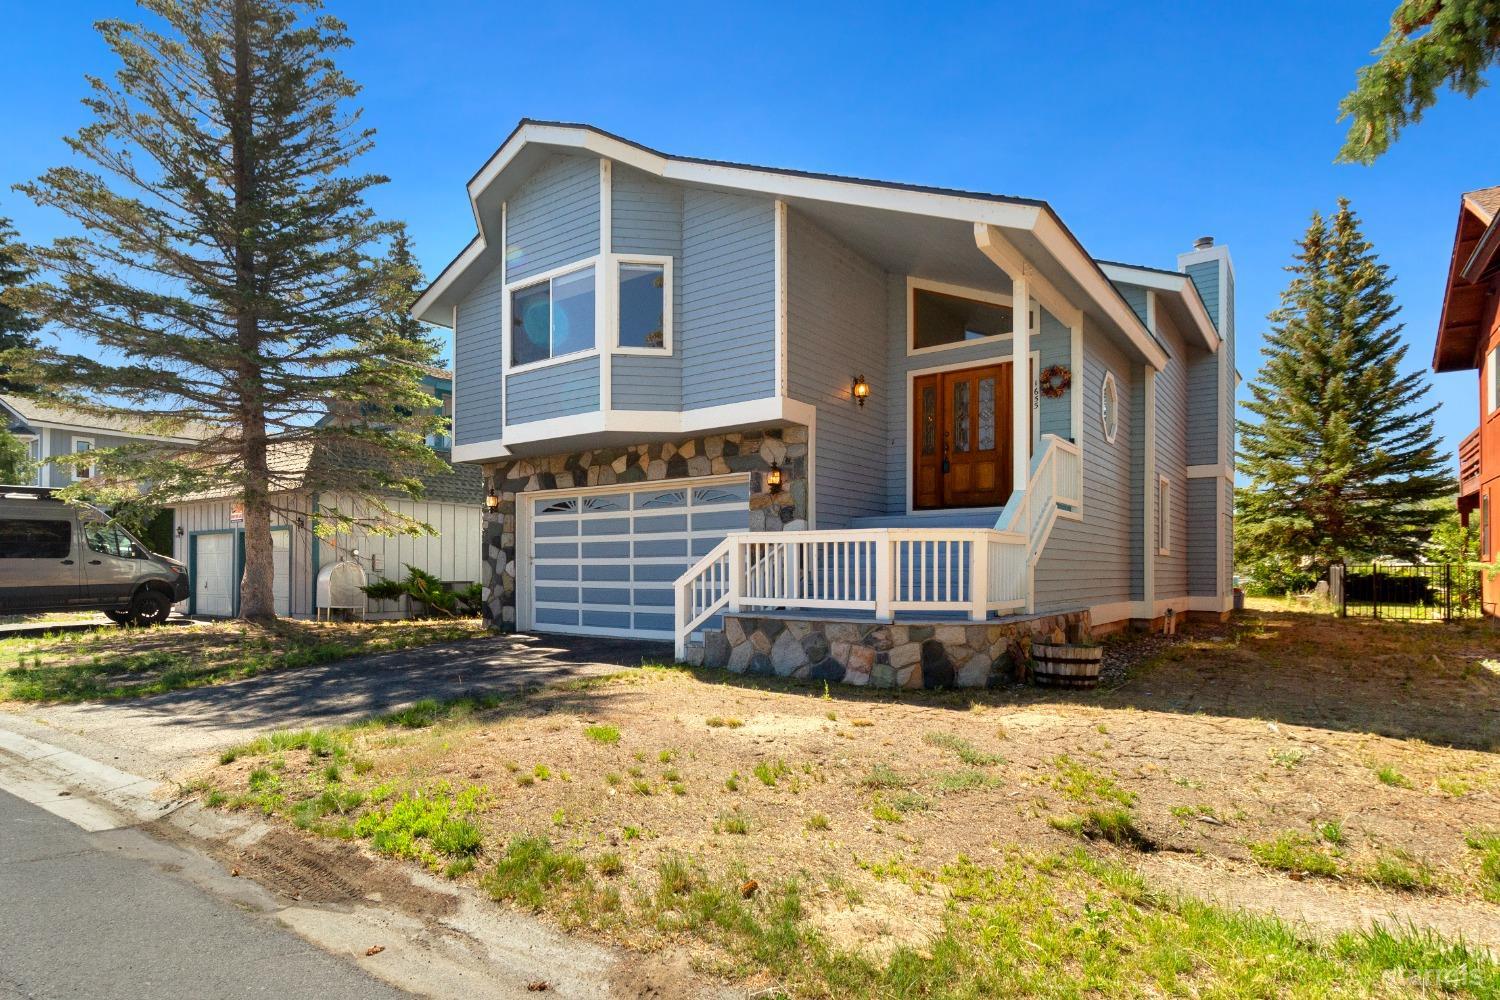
x,y
552,318
1109,407
22,539
1163,516
942,320
109,540
645,290
1492,381
85,470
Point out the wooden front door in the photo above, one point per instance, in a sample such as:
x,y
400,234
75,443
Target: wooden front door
x,y
961,438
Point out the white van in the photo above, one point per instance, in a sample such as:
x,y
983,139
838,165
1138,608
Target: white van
x,y
56,556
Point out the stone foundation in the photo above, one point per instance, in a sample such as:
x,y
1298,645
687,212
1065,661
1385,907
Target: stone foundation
x,y
925,655
750,452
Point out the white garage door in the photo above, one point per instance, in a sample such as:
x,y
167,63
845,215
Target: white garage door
x,y
213,575
214,571
604,563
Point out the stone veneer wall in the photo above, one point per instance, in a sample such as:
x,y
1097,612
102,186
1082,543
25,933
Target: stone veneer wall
x,y
662,461
956,654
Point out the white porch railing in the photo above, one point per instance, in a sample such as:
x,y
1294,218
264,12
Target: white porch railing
x,y
975,571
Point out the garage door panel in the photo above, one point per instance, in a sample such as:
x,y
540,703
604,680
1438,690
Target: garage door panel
x,y
633,544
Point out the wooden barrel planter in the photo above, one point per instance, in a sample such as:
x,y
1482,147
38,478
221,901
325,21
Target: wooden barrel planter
x,y
1062,664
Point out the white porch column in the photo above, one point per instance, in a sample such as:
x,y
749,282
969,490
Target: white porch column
x,y
1020,379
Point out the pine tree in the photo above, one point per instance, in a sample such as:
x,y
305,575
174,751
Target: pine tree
x,y
230,274
1343,463
16,325
1431,42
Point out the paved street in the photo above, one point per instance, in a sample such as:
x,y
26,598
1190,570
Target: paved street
x,y
116,914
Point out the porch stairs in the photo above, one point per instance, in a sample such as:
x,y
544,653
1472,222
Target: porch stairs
x,y
954,564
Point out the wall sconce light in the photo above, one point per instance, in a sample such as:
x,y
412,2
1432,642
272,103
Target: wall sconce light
x,y
492,500
860,389
180,531
301,522
773,479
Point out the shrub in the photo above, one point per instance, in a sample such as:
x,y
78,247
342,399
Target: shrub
x,y
428,591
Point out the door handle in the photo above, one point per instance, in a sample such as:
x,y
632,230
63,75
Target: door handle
x,y
67,562
96,562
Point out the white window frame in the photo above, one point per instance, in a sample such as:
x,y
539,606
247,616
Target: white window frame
x,y
664,261
1110,388
548,277
1492,381
78,451
960,291
1163,516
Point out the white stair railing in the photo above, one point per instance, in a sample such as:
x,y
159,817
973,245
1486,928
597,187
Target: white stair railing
x,y
976,571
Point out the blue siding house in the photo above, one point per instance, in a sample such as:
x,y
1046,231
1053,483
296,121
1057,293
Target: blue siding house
x,y
830,427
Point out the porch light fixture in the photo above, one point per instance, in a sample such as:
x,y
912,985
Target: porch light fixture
x,y
860,389
491,500
773,479
180,531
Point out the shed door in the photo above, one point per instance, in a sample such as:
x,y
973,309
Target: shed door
x,y
213,574
605,563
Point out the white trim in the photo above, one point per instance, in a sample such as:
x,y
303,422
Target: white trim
x,y
1104,614
1148,489
1211,471
73,469
504,322
1163,515
453,392
781,297
664,261
549,277
123,432
1110,384
727,416
984,296
911,416
1075,332
606,289
1020,382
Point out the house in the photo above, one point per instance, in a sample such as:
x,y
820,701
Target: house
x,y
1468,340
210,530
828,426
60,431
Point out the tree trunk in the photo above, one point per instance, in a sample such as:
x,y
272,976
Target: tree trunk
x,y
257,591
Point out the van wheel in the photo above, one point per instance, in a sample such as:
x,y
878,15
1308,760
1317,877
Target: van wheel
x,y
118,617
149,608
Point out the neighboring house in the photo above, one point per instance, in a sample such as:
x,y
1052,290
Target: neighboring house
x,y
753,409
210,537
1469,340
439,383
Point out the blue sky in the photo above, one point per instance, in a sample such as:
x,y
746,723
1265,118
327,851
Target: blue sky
x,y
1144,125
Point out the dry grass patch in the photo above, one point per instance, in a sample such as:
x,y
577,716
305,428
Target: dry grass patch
x,y
904,856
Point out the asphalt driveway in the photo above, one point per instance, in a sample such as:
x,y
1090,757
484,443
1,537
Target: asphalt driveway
x,y
159,735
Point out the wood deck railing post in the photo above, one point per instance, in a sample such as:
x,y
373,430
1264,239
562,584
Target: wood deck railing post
x,y
736,575
885,577
979,578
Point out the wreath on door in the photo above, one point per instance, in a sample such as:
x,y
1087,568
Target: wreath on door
x,y
1054,381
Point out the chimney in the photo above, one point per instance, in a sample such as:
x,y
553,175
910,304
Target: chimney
x,y
1203,243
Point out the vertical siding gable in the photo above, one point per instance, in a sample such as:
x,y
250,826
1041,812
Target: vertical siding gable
x,y
1205,275
646,218
728,317
553,218
477,360
836,318
1135,295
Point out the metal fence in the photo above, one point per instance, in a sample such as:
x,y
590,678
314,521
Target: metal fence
x,y
1409,591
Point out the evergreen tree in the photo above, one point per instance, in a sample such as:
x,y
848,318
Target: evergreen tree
x,y
16,325
1431,42
229,272
1343,463
15,459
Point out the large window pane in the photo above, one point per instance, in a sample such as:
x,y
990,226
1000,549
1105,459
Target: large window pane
x,y
939,319
573,312
643,305
531,324
21,539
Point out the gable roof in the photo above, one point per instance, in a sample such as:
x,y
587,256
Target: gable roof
x,y
33,414
1476,243
1054,247
1178,293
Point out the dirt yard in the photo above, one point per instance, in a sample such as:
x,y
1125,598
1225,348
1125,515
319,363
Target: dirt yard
x,y
1332,775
